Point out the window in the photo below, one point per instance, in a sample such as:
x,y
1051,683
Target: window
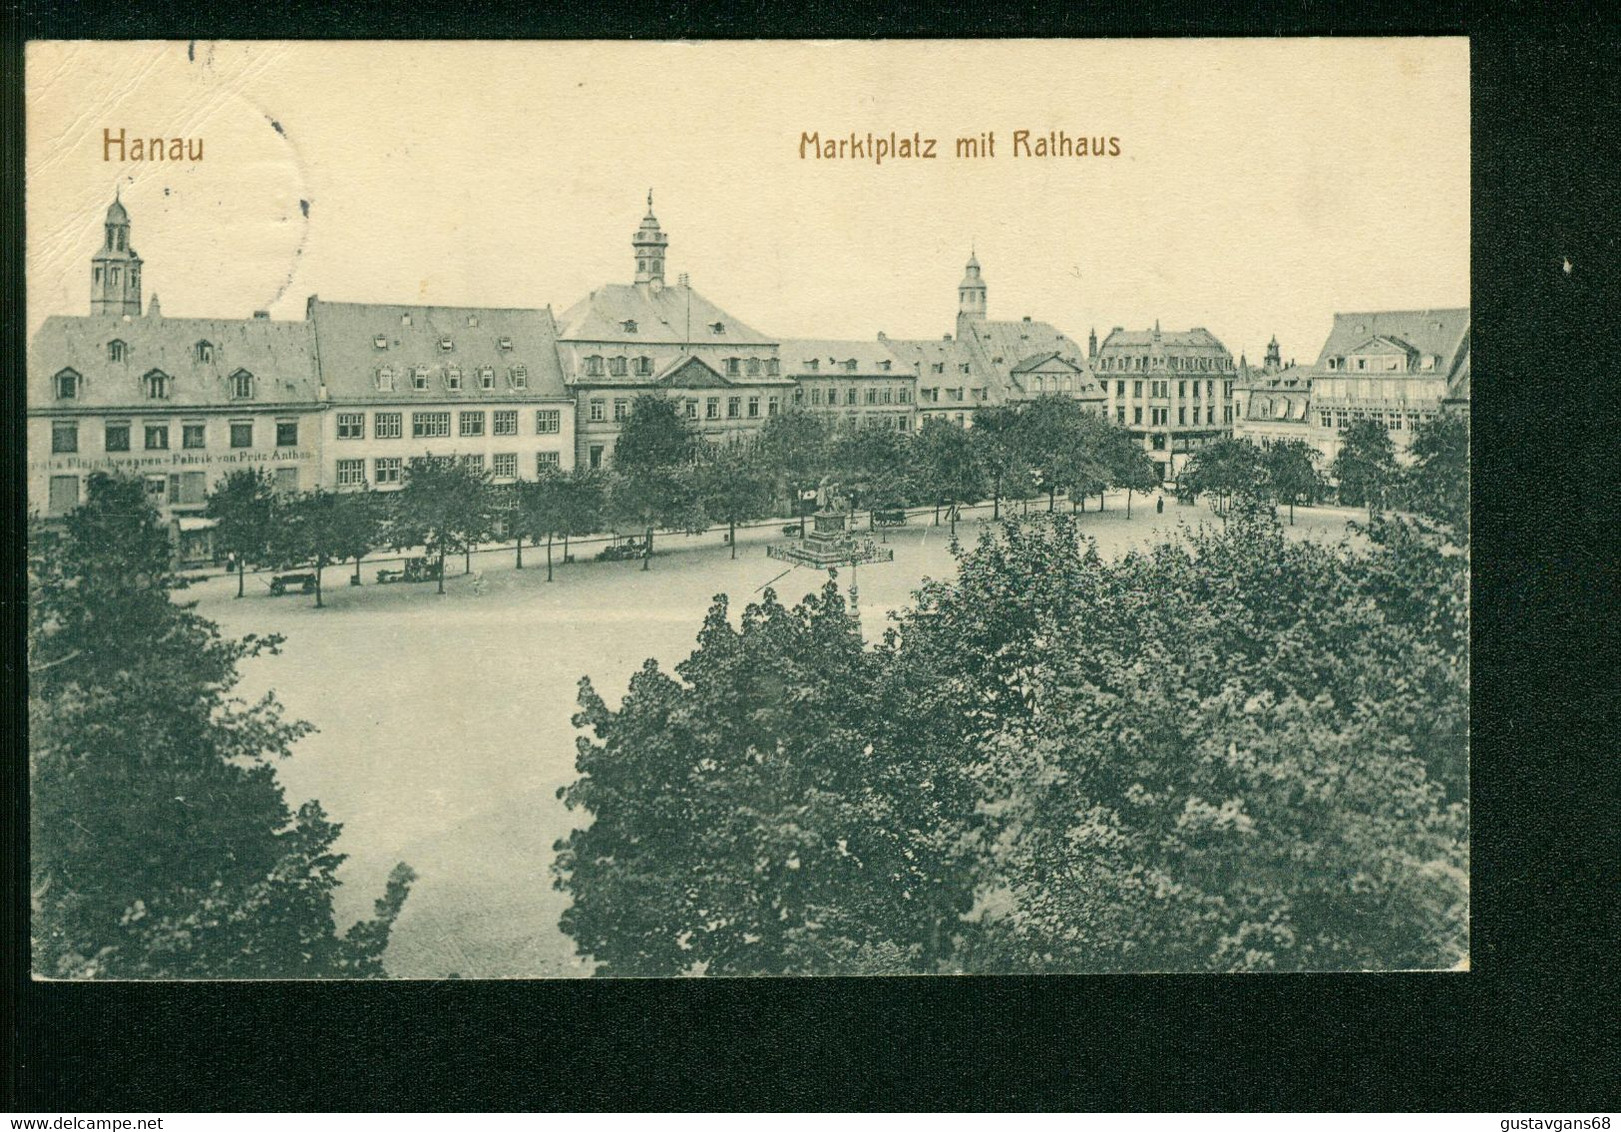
x,y
453,378
1182,388
505,465
1182,415
287,481
1210,388
117,351
157,386
547,460
872,396
386,470
504,342
1137,415
286,434
644,366
387,426
64,494
850,396
188,488
446,345
816,396
618,366
351,473
734,406
597,407
754,406
1119,389
711,408
1161,416
506,422
157,437
1362,363
241,434
963,368
938,367
773,367
621,408
193,434
904,395
405,319
813,365
473,460
242,385
1120,415
771,407
1326,419
64,436
471,423
593,366
628,326
419,378
548,421
379,343
732,366
1136,389
593,455
517,377
385,379
430,425
717,328
1210,414
351,426
754,367
204,351
116,437
67,386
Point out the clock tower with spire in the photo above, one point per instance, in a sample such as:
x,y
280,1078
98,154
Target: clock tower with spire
x,y
115,270
970,296
650,244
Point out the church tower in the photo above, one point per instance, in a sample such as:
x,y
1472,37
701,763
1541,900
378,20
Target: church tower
x,y
115,270
970,297
1274,356
650,244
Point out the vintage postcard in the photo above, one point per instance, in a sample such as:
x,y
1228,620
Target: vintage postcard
x,y
747,508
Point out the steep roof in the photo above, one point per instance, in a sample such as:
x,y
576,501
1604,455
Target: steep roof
x,y
1197,341
873,358
919,354
660,314
280,356
500,338
1440,333
1293,377
1036,361
1006,343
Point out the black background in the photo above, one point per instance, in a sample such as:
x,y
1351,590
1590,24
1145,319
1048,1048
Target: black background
x,y
1532,1027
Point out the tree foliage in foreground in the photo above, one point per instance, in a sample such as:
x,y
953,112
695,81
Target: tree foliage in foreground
x,y
161,843
1237,751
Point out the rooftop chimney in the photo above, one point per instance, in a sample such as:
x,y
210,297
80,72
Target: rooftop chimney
x,y
261,314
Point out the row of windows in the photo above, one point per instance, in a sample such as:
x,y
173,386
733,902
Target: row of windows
x,y
886,395
452,377
156,385
389,471
157,434
469,422
932,394
1343,418
849,365
1162,416
1163,388
1142,363
1386,363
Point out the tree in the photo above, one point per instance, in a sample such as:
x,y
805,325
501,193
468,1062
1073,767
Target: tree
x,y
243,506
652,484
1059,438
1437,483
1366,465
996,437
162,845
1130,466
443,506
1224,468
797,444
733,485
944,467
582,506
874,461
1290,470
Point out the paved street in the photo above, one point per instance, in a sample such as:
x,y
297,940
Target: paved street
x,y
444,720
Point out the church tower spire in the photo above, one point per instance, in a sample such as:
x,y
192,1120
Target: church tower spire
x,y
970,296
115,270
1274,355
650,244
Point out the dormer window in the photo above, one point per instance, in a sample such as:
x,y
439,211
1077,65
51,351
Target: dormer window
x,y
618,366
486,378
385,379
813,365
380,342
504,342
156,385
67,385
593,366
644,366
518,375
717,328
472,320
1428,362
419,378
405,319
446,344
850,366
773,367
754,367
453,378
628,326
117,351
242,385
204,351
733,366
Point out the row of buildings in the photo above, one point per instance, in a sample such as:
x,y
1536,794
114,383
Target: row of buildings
x,y
346,396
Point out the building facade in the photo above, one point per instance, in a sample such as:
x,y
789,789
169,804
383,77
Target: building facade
x,y
1272,402
480,384
625,340
1172,390
851,383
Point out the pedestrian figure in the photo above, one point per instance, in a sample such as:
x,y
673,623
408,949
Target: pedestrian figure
x,y
1159,505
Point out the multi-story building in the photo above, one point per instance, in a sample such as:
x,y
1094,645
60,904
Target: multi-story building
x,y
1272,402
992,362
179,402
1173,390
1397,368
399,381
851,383
623,340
